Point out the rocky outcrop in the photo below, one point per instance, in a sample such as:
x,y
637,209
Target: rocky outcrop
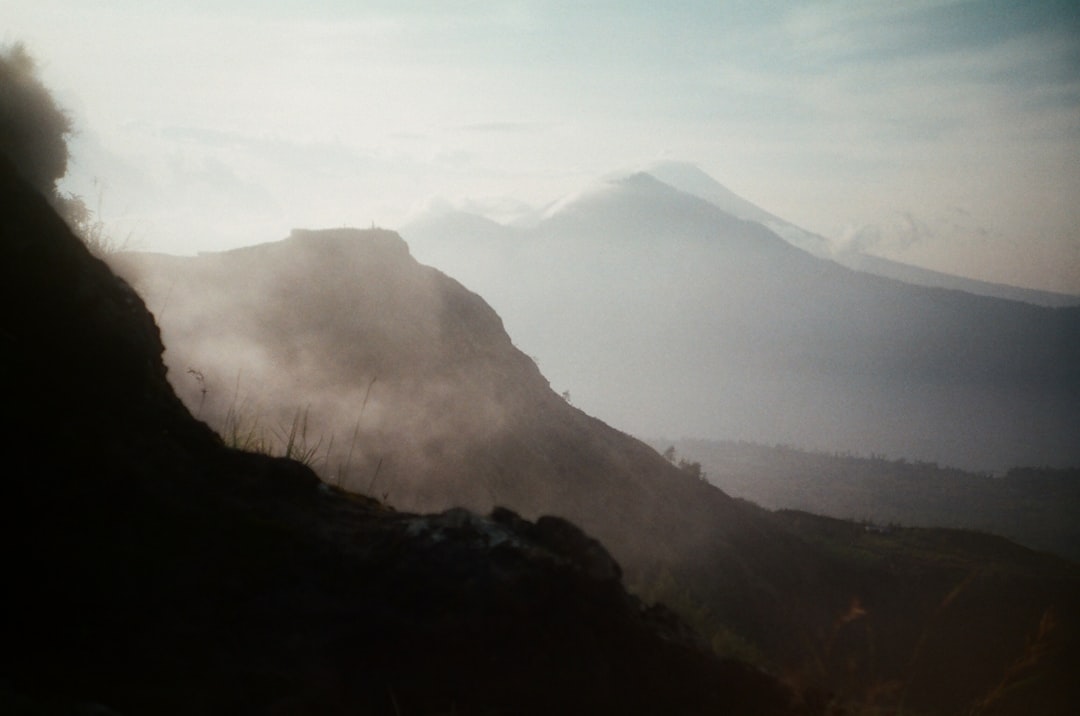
x,y
151,569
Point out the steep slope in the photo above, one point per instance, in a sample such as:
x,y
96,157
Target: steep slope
x,y
710,326
151,569
690,179
430,404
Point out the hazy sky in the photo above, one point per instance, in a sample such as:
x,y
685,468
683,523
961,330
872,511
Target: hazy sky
x,y
941,133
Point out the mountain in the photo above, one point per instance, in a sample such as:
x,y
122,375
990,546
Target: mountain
x,y
394,380
665,315
935,279
690,179
150,568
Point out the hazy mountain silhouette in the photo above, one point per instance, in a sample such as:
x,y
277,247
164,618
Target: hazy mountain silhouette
x,y
429,403
935,279
690,179
665,315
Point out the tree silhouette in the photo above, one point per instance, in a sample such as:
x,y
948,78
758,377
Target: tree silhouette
x,y
33,128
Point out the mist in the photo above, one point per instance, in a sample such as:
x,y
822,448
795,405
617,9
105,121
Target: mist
x,y
665,315
657,300
393,374
645,306
674,315
465,362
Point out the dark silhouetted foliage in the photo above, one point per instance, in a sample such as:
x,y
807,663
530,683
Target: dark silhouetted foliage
x,y
33,128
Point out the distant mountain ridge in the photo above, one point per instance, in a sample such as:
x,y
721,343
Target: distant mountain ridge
x,y
690,179
665,315
935,279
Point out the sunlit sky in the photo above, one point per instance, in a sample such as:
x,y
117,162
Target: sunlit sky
x,y
945,134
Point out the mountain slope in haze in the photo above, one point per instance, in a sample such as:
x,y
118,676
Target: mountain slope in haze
x,y
429,403
150,569
665,315
935,279
346,326
690,179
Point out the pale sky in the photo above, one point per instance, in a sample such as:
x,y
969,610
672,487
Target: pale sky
x,y
945,134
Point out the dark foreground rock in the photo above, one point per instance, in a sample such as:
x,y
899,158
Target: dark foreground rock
x,y
148,569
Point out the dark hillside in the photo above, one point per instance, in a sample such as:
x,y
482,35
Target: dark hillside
x,y
952,598
149,569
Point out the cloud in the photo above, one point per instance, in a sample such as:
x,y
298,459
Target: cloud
x,y
897,234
